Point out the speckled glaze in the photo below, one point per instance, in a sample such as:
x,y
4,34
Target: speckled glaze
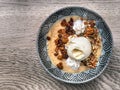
x,y
107,43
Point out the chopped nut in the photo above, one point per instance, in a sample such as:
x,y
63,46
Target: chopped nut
x,y
86,23
84,62
92,23
60,65
91,66
95,31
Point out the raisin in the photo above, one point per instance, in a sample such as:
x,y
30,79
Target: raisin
x,y
65,56
56,49
70,32
71,22
62,48
61,31
48,38
60,41
64,40
71,19
60,65
60,35
56,41
68,28
64,53
59,45
56,54
59,57
64,22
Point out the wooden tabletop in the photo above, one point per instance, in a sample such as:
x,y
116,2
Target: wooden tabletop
x,y
19,61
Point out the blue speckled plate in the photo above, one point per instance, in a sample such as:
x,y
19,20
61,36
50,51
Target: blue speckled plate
x,y
107,43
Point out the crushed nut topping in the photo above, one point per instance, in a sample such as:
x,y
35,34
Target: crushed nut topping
x,y
93,35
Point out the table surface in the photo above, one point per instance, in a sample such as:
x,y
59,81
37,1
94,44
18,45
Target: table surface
x,y
19,61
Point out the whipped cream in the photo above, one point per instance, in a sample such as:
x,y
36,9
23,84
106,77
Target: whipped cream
x,y
79,48
79,26
73,63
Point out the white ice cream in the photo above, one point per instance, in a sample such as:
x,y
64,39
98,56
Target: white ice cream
x,y
78,49
78,26
73,63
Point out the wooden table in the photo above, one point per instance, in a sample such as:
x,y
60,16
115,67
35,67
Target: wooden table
x,y
19,61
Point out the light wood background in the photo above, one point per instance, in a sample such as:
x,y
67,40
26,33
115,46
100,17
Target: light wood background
x,y
19,61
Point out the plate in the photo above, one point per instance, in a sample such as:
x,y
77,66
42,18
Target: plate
x,y
81,77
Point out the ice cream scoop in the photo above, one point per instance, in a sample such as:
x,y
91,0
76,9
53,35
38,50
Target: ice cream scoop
x,y
79,48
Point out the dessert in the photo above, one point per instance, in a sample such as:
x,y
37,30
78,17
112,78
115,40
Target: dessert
x,y
74,44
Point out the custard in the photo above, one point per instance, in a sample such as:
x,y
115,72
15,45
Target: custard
x,y
54,46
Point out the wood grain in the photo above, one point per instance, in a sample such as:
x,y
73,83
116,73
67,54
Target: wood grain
x,y
19,63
